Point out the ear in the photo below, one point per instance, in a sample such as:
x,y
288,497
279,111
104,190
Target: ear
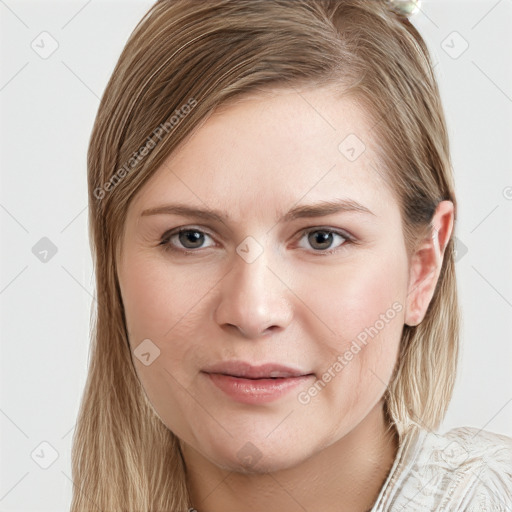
x,y
426,264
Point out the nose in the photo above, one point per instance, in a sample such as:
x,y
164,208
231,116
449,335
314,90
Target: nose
x,y
254,298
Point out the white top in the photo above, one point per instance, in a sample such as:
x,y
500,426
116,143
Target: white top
x,y
465,469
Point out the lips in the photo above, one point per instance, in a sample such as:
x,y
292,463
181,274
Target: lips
x,y
255,385
245,370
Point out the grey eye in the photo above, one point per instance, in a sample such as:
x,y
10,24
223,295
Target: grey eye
x,y
323,239
188,239
193,237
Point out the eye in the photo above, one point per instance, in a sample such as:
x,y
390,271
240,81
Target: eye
x,y
323,238
187,238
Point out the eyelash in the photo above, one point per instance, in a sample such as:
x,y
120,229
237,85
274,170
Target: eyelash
x,y
167,247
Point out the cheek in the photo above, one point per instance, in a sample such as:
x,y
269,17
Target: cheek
x,y
158,297
168,305
363,309
161,304
355,292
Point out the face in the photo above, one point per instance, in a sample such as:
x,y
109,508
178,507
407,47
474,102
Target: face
x,y
268,332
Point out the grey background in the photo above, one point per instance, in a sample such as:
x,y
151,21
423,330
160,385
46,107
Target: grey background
x,y
48,107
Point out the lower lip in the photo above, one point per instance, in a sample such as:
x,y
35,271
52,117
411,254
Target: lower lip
x,y
256,391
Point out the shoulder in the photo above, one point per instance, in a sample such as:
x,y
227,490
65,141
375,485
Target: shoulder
x,y
488,456
464,469
482,442
470,466
479,450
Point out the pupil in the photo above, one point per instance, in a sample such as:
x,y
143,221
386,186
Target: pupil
x,y
322,237
191,236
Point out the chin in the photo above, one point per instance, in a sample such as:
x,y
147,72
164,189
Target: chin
x,y
251,459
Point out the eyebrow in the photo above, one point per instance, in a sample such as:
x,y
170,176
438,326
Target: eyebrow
x,y
320,209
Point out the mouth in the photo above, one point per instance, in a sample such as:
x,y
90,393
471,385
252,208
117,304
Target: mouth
x,y
245,370
250,384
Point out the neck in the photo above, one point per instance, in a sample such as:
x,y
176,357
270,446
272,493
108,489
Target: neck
x,y
346,476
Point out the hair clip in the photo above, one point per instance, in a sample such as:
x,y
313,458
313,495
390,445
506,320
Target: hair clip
x,y
405,7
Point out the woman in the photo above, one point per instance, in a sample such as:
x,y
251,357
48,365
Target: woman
x,y
272,212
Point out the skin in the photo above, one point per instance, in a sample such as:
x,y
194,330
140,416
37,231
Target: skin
x,y
253,160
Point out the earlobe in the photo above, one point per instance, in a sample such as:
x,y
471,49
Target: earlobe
x,y
426,264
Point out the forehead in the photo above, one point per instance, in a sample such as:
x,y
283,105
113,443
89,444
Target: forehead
x,y
276,148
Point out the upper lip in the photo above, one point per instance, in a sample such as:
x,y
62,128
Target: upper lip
x,y
249,371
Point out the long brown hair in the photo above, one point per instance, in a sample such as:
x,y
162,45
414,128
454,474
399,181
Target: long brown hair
x,y
184,59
